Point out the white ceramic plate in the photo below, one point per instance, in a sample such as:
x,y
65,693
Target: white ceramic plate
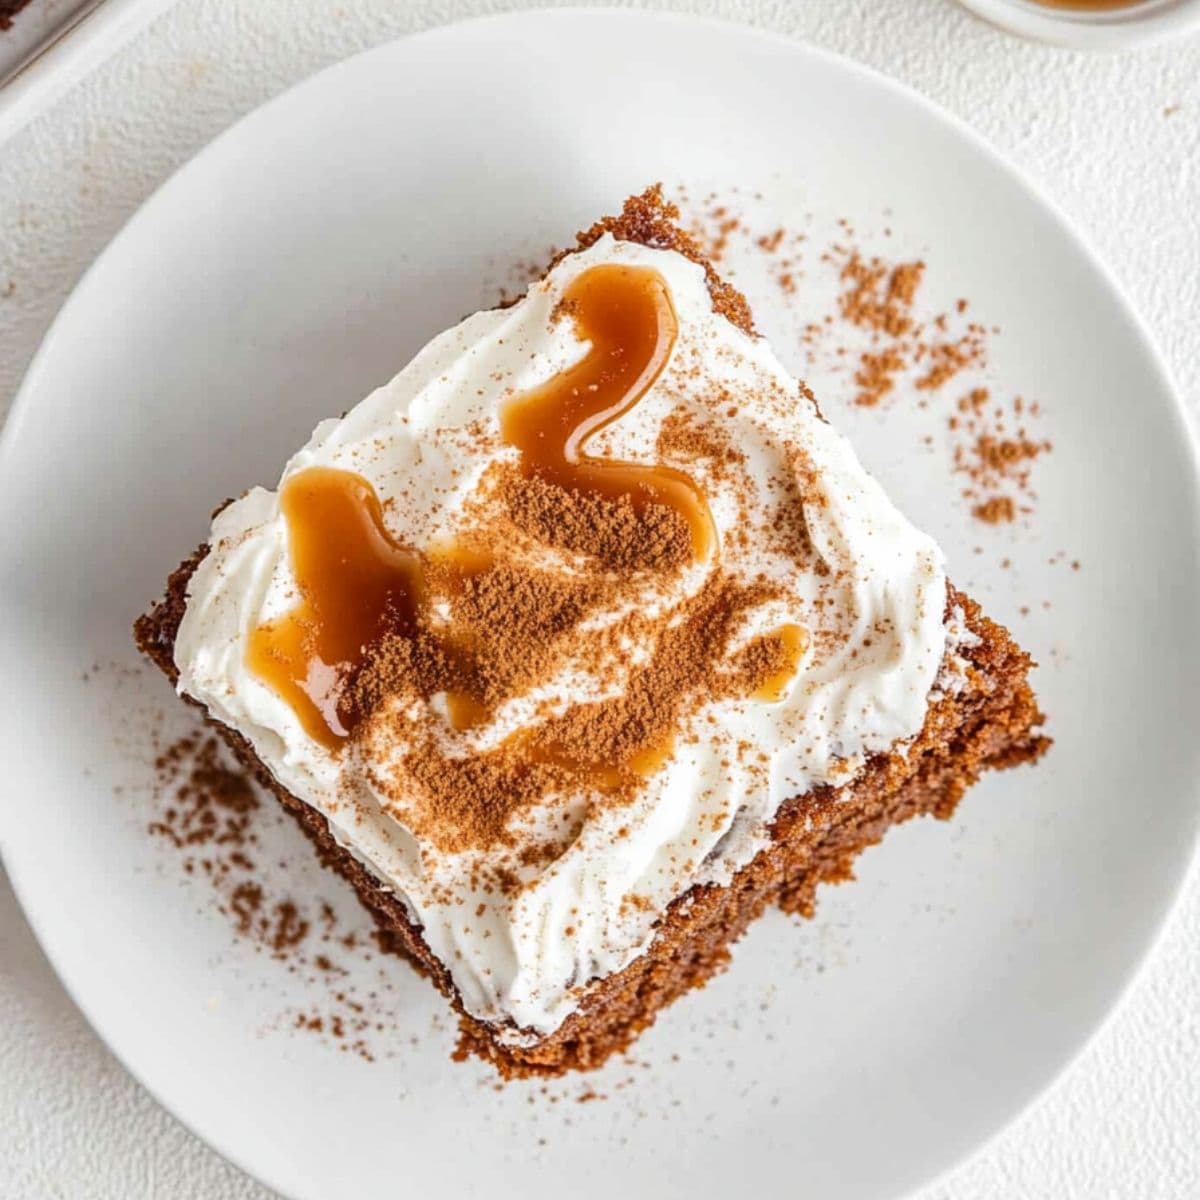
x,y
298,261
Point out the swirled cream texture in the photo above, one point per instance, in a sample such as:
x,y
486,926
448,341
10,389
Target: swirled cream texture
x,y
796,516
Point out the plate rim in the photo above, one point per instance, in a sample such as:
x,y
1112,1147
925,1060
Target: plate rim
x,y
22,405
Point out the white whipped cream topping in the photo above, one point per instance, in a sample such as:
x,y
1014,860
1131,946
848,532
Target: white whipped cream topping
x,y
424,440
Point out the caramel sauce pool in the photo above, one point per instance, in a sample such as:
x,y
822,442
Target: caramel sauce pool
x,y
357,585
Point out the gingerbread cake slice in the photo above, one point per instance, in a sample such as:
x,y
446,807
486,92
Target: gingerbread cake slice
x,y
582,641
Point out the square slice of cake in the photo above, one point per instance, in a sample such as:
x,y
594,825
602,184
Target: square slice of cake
x,y
582,641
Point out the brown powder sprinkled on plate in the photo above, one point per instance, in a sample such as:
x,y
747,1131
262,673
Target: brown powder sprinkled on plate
x,y
995,511
208,810
994,449
877,296
910,356
880,298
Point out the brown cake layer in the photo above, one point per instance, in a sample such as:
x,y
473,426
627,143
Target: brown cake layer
x,y
991,722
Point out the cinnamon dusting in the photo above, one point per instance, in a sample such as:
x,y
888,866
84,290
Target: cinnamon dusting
x,y
994,449
685,437
207,809
457,800
879,298
997,510
454,802
691,657
611,531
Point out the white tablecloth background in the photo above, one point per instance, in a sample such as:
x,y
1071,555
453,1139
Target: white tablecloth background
x,y
1114,140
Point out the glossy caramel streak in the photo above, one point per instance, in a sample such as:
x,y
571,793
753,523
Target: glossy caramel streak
x,y
626,315
355,584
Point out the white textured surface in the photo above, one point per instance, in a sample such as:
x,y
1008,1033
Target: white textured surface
x,y
1115,141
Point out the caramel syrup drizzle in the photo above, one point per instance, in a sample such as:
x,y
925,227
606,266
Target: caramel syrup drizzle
x,y
626,315
358,585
